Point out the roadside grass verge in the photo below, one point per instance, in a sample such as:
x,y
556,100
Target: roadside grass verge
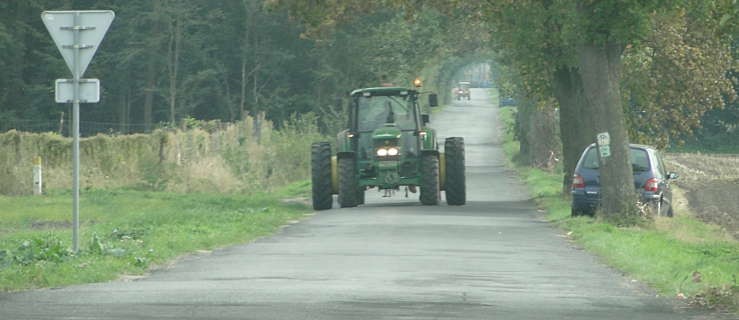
x,y
127,232
680,257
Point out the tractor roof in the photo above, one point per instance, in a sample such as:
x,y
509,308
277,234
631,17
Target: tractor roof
x,y
383,91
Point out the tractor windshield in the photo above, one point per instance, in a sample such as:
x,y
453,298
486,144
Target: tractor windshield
x,y
376,111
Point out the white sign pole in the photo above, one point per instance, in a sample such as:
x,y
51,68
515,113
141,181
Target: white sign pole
x,y
94,23
76,135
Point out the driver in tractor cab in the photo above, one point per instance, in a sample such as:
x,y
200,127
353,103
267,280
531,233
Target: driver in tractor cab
x,y
381,111
374,115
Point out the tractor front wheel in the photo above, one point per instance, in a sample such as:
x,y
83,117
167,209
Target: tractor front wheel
x,y
321,175
456,190
348,195
430,180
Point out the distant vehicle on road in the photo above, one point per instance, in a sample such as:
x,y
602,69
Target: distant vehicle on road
x,y
651,180
463,90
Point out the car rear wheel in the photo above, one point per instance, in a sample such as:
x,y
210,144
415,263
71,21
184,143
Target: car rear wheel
x,y
577,211
659,208
668,210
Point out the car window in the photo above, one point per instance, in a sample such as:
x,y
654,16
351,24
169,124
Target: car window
x,y
590,161
662,171
639,160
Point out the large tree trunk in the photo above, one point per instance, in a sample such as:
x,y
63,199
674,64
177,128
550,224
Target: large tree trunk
x,y
537,134
524,113
242,101
174,64
229,100
545,146
124,111
128,111
600,68
244,51
255,93
576,124
149,97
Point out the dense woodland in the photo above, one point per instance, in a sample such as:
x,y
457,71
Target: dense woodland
x,y
164,61
657,72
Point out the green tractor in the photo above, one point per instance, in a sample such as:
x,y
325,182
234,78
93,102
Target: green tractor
x,y
387,145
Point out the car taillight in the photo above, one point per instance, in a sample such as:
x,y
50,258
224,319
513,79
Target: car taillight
x,y
652,185
578,182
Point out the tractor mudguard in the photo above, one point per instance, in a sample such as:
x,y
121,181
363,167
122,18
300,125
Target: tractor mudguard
x,y
344,142
428,140
334,175
442,170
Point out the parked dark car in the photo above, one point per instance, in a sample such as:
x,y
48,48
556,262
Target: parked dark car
x,y
506,102
651,180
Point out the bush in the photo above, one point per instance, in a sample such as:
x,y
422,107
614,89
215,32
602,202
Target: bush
x,y
203,156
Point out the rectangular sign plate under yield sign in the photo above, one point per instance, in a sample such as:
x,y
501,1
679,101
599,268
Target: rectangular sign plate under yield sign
x,y
89,90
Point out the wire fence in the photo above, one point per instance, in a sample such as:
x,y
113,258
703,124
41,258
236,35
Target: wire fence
x,y
64,128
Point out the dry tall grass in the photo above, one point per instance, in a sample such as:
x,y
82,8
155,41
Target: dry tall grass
x,y
224,158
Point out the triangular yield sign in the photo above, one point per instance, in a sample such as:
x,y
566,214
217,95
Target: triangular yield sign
x,y
92,26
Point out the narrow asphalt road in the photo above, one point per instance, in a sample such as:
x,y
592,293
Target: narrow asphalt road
x,y
391,259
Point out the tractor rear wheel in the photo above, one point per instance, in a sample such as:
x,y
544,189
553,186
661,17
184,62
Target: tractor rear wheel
x,y
456,190
347,183
321,175
430,180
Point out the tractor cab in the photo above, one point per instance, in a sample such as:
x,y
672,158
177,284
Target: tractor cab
x,y
386,117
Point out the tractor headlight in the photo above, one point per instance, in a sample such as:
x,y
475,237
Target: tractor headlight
x,y
388,152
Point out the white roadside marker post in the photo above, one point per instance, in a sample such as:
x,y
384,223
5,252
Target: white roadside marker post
x,y
38,180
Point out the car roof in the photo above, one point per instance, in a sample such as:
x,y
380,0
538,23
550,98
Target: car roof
x,y
384,91
632,145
